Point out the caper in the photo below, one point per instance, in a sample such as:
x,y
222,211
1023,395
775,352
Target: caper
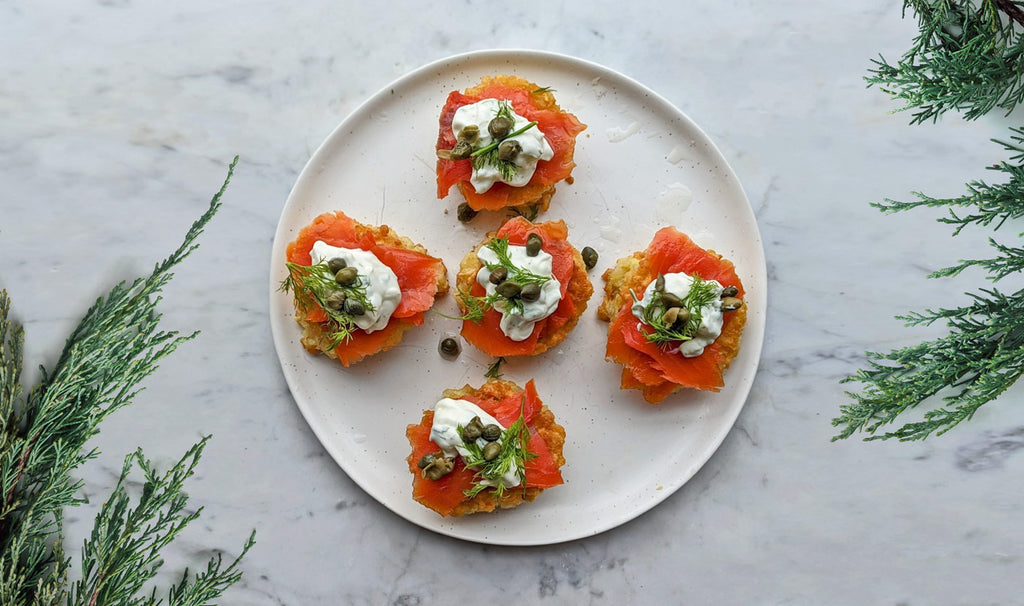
x,y
491,432
439,467
670,300
670,316
469,133
508,289
589,257
533,245
530,292
346,276
659,284
427,459
731,304
473,430
491,451
449,347
466,213
508,150
499,275
354,308
461,151
730,291
336,299
336,264
684,316
499,127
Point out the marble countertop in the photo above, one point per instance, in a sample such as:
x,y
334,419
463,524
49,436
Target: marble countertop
x,y
118,120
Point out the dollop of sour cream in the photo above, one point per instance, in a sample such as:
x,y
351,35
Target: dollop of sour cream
x,y
535,146
448,415
382,290
710,315
518,325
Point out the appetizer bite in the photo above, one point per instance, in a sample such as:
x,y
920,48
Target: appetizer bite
x,y
522,290
357,287
483,449
504,143
677,315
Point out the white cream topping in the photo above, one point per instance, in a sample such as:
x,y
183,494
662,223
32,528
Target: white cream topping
x,y
518,325
382,290
534,145
711,315
448,415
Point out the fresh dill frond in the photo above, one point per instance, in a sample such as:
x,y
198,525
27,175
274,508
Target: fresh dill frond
x,y
313,285
474,306
494,370
514,454
701,294
542,90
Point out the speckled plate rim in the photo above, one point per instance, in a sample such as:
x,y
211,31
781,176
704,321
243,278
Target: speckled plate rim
x,y
526,531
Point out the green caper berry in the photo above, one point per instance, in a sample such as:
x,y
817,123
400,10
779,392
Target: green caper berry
x,y
659,284
533,245
671,316
498,276
499,127
508,150
508,289
491,451
449,347
426,460
730,291
336,299
731,304
461,151
589,257
354,308
466,213
670,300
530,292
473,430
439,467
336,264
469,133
491,432
346,276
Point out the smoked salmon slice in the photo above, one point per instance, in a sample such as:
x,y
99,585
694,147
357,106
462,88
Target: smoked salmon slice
x,y
421,278
646,366
560,128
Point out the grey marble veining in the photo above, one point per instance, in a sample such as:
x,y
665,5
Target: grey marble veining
x,y
117,122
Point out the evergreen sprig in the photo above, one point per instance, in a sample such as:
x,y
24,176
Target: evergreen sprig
x,y
967,57
43,433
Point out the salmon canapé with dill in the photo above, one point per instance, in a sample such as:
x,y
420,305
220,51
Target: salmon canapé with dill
x,y
358,288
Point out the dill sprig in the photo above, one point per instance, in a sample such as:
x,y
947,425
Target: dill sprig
x,y
43,434
513,455
474,307
313,284
488,154
701,294
494,370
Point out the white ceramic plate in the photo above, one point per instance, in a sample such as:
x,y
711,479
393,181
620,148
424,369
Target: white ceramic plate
x,y
641,164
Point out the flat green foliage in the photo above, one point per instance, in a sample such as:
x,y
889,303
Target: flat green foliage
x,y
968,57
43,433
